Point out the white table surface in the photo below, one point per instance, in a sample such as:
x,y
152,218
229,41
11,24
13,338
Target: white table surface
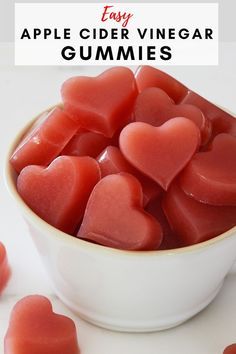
x,y
24,92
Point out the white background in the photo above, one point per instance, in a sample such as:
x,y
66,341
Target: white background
x,y
227,9
25,92
77,16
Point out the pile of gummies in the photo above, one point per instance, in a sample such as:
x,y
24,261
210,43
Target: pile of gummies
x,y
131,161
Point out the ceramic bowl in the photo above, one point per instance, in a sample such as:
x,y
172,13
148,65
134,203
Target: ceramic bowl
x,y
125,290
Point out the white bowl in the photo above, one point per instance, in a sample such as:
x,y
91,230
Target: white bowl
x,y
125,290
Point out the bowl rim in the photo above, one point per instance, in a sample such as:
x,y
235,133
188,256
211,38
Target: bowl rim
x,y
11,187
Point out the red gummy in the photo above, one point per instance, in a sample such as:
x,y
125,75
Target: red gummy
x,y
162,152
115,217
35,329
222,122
59,193
170,240
231,349
45,141
102,104
210,176
5,271
112,161
85,143
155,107
195,222
147,76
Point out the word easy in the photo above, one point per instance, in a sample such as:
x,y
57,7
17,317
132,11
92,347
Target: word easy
x,y
116,16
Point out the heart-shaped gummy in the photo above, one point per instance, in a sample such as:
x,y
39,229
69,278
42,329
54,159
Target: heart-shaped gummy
x,y
102,104
222,122
35,329
162,152
59,193
231,349
45,140
114,216
112,161
147,76
210,177
194,222
170,240
155,107
85,143
4,268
